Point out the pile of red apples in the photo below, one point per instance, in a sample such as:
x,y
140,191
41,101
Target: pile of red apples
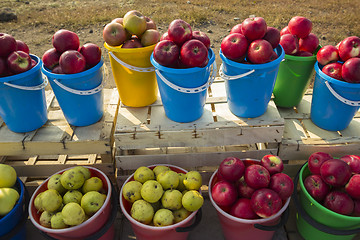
x,y
14,56
251,41
67,56
335,183
342,61
181,47
251,189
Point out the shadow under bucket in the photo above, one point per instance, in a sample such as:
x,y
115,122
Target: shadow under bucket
x,y
334,102
12,225
80,95
22,101
183,91
133,74
235,228
314,221
249,86
178,231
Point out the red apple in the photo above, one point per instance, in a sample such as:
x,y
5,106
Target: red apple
x,y
2,66
353,186
339,202
244,190
353,161
234,46
273,56
150,37
92,54
309,44
282,184
166,53
290,44
254,28
266,202
165,36
193,53
272,36
335,172
349,48
236,29
201,36
327,54
18,62
21,46
301,53
133,42
150,24
118,20
316,187
256,176
7,43
114,34
72,61
333,70
315,161
232,169
284,31
51,58
259,51
351,70
300,26
33,63
64,40
57,70
224,193
242,209
356,211
272,163
179,31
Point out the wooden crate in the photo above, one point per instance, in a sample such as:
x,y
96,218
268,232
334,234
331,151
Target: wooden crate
x,y
302,137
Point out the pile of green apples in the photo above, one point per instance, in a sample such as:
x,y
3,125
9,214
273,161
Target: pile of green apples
x,y
161,196
8,194
70,199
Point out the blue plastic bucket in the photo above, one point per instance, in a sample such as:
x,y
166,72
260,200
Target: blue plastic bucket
x,y
183,91
334,102
22,101
12,225
249,86
80,95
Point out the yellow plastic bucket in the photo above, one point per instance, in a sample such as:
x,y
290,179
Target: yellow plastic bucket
x,y
134,75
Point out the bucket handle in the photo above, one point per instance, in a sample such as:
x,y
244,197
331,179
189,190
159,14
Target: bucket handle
x,y
227,77
312,221
284,218
106,226
137,69
23,219
198,218
29,88
340,98
190,90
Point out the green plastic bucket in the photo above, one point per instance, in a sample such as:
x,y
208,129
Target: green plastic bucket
x,y
293,79
314,221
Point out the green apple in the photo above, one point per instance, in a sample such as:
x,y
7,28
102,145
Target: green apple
x,y
163,217
168,179
51,200
151,191
160,168
57,221
92,184
150,37
54,183
193,180
142,211
7,176
131,191
181,187
83,170
72,196
72,179
92,201
45,219
171,199
73,214
192,200
37,202
180,214
8,199
142,174
134,22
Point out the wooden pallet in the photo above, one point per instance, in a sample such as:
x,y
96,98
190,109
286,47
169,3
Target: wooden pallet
x,y
302,137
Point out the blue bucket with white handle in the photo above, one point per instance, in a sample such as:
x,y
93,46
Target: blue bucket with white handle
x,y
22,101
80,95
334,102
249,86
183,91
